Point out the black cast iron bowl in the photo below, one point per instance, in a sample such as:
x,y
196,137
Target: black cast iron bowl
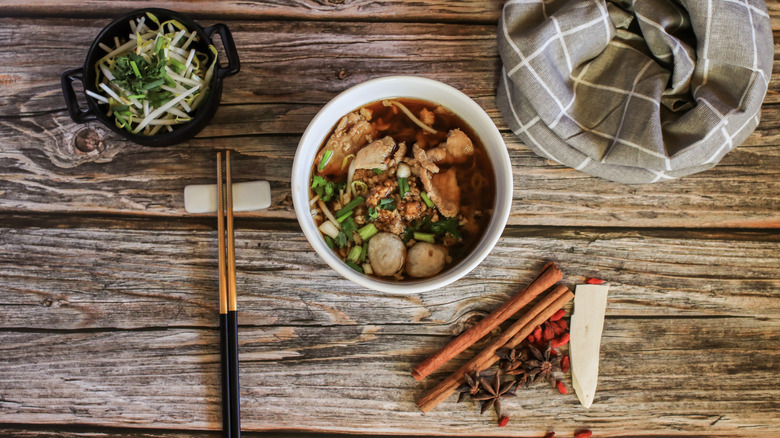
x,y
121,28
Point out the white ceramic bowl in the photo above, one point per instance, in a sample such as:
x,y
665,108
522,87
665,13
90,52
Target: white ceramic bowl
x,y
411,87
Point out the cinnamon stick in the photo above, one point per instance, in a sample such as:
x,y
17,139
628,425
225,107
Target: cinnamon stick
x,y
550,275
512,337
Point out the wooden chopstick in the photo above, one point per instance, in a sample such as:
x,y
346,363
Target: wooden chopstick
x,y
232,320
223,305
228,322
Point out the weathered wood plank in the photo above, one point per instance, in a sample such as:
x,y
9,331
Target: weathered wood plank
x,y
282,62
105,277
84,431
681,376
44,171
436,10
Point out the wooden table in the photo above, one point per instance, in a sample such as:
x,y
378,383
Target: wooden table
x,y
108,324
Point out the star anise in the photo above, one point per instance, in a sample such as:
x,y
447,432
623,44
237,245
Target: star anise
x,y
511,360
470,387
543,366
493,392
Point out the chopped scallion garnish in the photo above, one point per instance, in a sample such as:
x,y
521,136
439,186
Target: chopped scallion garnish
x,y
403,186
340,219
424,237
354,253
368,232
354,266
426,199
350,206
325,159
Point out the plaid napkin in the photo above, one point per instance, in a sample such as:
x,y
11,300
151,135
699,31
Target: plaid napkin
x,y
634,92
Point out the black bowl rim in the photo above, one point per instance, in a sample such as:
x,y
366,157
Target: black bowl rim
x,y
183,132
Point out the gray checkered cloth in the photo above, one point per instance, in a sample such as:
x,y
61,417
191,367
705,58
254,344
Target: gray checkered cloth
x,y
634,92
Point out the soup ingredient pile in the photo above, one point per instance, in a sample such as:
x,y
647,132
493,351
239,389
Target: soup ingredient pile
x,y
399,189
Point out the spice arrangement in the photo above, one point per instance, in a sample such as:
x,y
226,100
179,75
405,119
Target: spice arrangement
x,y
530,351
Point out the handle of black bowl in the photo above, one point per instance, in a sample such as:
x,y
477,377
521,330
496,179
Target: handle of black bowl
x,y
230,49
76,113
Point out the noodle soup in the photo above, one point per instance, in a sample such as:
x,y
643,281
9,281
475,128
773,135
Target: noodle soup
x,y
402,189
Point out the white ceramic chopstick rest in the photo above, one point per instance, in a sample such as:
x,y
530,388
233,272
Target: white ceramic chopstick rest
x,y
587,324
247,196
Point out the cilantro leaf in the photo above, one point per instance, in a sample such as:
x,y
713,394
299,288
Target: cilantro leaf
x,y
345,235
446,226
324,188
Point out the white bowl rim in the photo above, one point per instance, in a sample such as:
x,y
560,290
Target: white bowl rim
x,y
490,137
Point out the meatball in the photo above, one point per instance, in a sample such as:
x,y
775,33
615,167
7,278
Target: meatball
x,y
425,260
387,254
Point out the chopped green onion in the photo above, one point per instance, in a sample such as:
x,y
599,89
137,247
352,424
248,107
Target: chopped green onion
x,y
354,254
340,219
363,253
136,96
425,237
158,45
120,108
325,159
168,81
153,84
330,242
177,65
403,186
377,171
350,206
135,68
427,200
368,232
354,266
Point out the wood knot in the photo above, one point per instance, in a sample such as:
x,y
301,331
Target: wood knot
x,y
342,74
48,302
337,2
87,140
467,322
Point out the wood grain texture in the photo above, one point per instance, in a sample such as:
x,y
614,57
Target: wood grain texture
x,y
44,170
656,374
434,10
95,278
108,307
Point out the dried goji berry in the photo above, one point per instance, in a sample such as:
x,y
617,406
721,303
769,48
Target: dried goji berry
x,y
565,364
558,315
563,324
538,332
557,328
503,421
531,339
547,333
561,387
583,434
563,340
594,281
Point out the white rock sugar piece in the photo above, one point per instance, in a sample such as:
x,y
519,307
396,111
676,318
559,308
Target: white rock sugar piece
x,y
586,325
247,196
